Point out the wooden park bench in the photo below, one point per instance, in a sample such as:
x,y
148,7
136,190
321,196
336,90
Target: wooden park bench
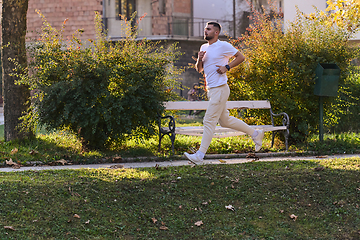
x,y
171,129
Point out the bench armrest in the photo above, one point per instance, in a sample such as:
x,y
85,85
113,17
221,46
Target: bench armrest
x,y
285,120
171,124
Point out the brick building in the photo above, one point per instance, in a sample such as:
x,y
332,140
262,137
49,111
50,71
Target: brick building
x,y
80,15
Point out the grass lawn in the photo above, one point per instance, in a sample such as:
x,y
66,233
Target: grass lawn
x,y
265,200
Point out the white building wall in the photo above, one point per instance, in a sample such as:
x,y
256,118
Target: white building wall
x,y
305,6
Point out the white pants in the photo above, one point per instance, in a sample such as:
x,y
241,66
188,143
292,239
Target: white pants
x,y
217,112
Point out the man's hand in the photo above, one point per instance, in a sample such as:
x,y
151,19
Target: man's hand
x,y
201,55
199,62
221,69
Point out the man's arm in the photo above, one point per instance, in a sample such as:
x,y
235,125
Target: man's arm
x,y
199,63
239,58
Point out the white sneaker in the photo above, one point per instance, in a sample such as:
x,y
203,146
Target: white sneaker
x,y
258,140
194,158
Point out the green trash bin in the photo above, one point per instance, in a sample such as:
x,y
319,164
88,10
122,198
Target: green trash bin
x,y
327,79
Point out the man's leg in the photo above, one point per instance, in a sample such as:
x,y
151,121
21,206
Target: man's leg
x,y
217,102
225,120
218,97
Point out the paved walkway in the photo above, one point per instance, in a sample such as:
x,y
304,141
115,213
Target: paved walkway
x,y
219,160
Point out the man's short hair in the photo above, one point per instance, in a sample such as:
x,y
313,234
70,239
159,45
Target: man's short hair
x,y
215,24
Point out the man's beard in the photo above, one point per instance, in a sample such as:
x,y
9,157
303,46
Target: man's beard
x,y
207,37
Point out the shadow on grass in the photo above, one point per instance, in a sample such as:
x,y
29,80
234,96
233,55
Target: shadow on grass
x,y
279,200
53,147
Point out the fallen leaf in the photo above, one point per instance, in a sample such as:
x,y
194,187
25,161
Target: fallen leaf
x,y
205,203
62,161
212,183
10,162
325,156
319,168
87,222
180,207
281,211
222,161
293,216
117,159
76,216
199,223
154,220
15,150
117,166
252,155
10,228
260,217
230,207
33,152
164,228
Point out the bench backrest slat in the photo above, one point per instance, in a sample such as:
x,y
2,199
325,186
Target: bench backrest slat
x,y
202,105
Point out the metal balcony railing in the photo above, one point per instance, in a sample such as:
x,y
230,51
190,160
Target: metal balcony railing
x,y
167,26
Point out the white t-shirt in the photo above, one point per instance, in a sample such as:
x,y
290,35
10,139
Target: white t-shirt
x,y
217,53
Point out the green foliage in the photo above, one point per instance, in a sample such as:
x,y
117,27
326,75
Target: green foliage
x,y
280,66
100,90
349,119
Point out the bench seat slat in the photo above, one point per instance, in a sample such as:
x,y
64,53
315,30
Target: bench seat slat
x,y
224,132
202,105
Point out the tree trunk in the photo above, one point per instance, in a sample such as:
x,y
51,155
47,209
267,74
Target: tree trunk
x,y
13,51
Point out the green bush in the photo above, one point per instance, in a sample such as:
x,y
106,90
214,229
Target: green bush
x,y
100,90
280,66
349,118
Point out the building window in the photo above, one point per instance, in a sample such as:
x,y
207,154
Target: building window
x,y
162,7
125,8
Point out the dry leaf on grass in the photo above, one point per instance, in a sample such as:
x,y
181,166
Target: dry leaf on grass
x,y
15,150
12,164
154,220
117,166
62,161
87,222
164,228
230,207
10,228
76,216
222,161
117,159
199,223
293,216
33,152
319,168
